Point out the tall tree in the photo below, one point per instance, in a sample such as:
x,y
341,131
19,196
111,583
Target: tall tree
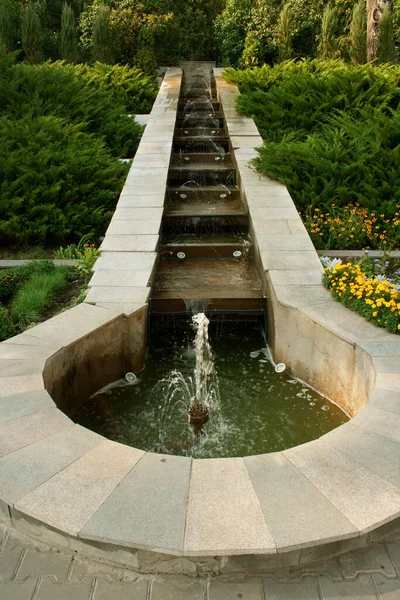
x,y
101,38
386,51
7,30
327,42
31,33
69,34
285,33
358,33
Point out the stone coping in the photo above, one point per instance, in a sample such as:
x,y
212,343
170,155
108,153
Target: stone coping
x,y
73,488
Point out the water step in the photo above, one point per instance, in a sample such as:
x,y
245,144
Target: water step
x,y
205,207
199,104
196,120
210,159
201,250
200,145
206,224
202,175
193,192
206,132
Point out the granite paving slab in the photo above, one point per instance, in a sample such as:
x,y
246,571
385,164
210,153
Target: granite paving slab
x,y
69,498
18,405
366,499
148,509
379,421
127,278
129,243
306,517
139,227
224,514
118,295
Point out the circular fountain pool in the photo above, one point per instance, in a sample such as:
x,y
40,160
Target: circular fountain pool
x,y
252,409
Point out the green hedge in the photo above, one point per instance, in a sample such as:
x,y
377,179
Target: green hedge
x,y
331,131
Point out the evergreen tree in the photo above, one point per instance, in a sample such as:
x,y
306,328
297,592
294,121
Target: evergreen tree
x,y
101,38
285,33
69,34
6,26
386,47
327,43
358,33
145,57
31,33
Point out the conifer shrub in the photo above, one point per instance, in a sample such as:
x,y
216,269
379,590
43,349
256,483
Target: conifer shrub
x,y
32,35
358,33
69,34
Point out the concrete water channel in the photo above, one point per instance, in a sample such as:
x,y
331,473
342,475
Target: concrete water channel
x,y
73,489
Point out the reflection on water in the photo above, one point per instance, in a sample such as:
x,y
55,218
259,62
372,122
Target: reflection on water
x,y
259,410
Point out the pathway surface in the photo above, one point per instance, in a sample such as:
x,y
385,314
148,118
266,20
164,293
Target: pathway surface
x,y
30,572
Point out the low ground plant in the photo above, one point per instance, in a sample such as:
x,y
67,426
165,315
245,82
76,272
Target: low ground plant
x,y
366,288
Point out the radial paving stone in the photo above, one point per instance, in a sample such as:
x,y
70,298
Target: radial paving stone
x,y
21,352
387,347
17,367
276,260
361,588
388,589
388,381
178,590
26,469
18,405
126,308
387,365
69,498
132,214
363,497
148,508
300,296
120,261
21,384
12,590
291,242
27,339
306,516
379,421
290,278
22,431
224,514
9,562
43,564
393,549
375,452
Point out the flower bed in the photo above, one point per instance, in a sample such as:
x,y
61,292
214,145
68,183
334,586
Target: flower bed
x,y
374,296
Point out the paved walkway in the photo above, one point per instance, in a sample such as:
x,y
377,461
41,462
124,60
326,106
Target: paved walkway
x,y
33,573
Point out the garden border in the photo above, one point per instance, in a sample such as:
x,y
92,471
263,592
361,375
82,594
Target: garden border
x,y
70,487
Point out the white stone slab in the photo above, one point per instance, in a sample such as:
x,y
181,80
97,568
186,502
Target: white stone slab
x,y
131,278
17,367
224,514
22,431
121,261
300,296
128,243
388,381
126,308
281,260
290,242
139,201
12,351
381,422
14,406
290,278
363,497
119,295
386,400
134,214
21,384
72,496
156,160
139,227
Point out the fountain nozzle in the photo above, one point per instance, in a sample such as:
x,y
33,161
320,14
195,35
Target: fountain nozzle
x,y
198,417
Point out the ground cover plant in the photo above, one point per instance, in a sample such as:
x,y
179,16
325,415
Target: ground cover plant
x,y
332,135
62,130
369,288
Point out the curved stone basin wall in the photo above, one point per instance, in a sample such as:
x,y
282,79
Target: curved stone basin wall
x,y
71,487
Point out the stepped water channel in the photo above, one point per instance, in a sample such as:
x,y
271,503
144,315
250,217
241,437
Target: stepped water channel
x,y
207,259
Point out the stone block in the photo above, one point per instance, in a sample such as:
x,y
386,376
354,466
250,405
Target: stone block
x,y
380,422
17,367
8,564
393,549
224,514
178,590
361,588
140,213
379,454
65,591
126,308
306,517
148,509
120,261
388,364
388,381
306,590
21,352
129,243
139,227
26,469
300,296
290,278
18,405
27,339
152,160
284,260
118,295
389,346
21,384
68,500
246,142
121,591
138,201
22,431
251,589
289,243
144,188
153,148
128,278
363,497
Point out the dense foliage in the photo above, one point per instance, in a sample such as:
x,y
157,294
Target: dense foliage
x,y
332,135
62,129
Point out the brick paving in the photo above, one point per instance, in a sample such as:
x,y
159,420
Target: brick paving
x,y
35,573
